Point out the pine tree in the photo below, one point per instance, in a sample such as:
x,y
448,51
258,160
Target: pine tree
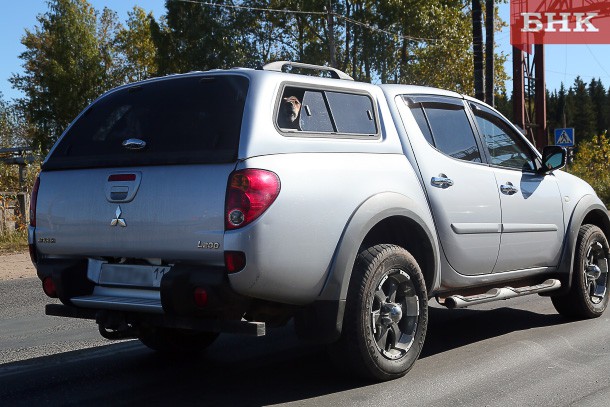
x,y
552,108
597,93
583,116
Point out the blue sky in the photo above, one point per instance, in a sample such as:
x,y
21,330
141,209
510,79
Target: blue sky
x,y
563,62
17,15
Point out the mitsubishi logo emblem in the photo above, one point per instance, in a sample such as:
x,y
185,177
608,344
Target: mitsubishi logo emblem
x,y
117,220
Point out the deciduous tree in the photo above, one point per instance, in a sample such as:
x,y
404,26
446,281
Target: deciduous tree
x,y
136,46
63,68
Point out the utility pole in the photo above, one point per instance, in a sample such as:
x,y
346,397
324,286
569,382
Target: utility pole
x,y
477,44
331,33
518,91
540,97
489,52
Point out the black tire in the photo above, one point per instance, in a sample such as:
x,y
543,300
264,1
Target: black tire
x,y
168,340
588,295
386,315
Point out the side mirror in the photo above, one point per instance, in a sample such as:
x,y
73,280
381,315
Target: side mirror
x,y
553,158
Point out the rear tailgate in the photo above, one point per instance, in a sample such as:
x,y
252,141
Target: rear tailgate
x,y
176,212
142,173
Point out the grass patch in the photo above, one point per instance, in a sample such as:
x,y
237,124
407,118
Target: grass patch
x,y
11,242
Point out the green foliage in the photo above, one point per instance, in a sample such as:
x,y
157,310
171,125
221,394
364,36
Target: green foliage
x,y
301,36
592,163
14,133
9,176
108,28
597,92
585,108
423,43
14,241
63,66
137,47
583,118
73,55
14,127
196,37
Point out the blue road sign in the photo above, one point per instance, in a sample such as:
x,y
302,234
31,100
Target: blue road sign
x,y
564,137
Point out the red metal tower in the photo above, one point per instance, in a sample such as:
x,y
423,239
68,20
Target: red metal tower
x,y
529,89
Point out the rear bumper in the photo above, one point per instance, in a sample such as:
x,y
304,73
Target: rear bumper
x,y
177,322
171,304
173,296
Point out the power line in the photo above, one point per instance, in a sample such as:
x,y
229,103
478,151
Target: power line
x,y
313,13
233,6
596,60
569,73
370,27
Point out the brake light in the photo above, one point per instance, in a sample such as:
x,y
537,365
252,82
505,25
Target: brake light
x,y
121,177
33,200
249,193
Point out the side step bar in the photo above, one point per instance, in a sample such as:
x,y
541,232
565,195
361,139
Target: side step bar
x,y
496,294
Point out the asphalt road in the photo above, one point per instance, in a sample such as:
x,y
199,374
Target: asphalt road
x,y
490,355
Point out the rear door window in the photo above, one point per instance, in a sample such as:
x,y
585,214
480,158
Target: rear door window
x,y
183,120
445,126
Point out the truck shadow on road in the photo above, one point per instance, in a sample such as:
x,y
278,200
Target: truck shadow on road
x,y
234,371
451,329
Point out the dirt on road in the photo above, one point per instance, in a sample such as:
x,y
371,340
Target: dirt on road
x,y
16,265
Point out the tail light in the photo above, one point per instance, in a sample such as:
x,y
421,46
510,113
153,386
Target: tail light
x,y
249,193
33,200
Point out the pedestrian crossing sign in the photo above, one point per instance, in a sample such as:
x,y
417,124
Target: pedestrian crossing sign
x,y
564,137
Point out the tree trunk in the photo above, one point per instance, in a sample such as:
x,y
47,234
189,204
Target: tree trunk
x,y
331,34
489,52
477,45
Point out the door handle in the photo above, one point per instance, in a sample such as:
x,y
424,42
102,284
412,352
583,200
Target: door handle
x,y
442,181
508,189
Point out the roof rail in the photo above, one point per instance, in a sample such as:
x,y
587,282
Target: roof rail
x,y
279,65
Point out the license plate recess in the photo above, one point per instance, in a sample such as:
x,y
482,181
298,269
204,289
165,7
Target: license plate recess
x,y
128,275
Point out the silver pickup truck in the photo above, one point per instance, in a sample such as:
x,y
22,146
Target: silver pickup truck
x,y
178,208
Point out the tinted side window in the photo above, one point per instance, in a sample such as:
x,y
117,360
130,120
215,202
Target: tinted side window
x,y
352,113
451,131
420,118
506,148
314,113
324,111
